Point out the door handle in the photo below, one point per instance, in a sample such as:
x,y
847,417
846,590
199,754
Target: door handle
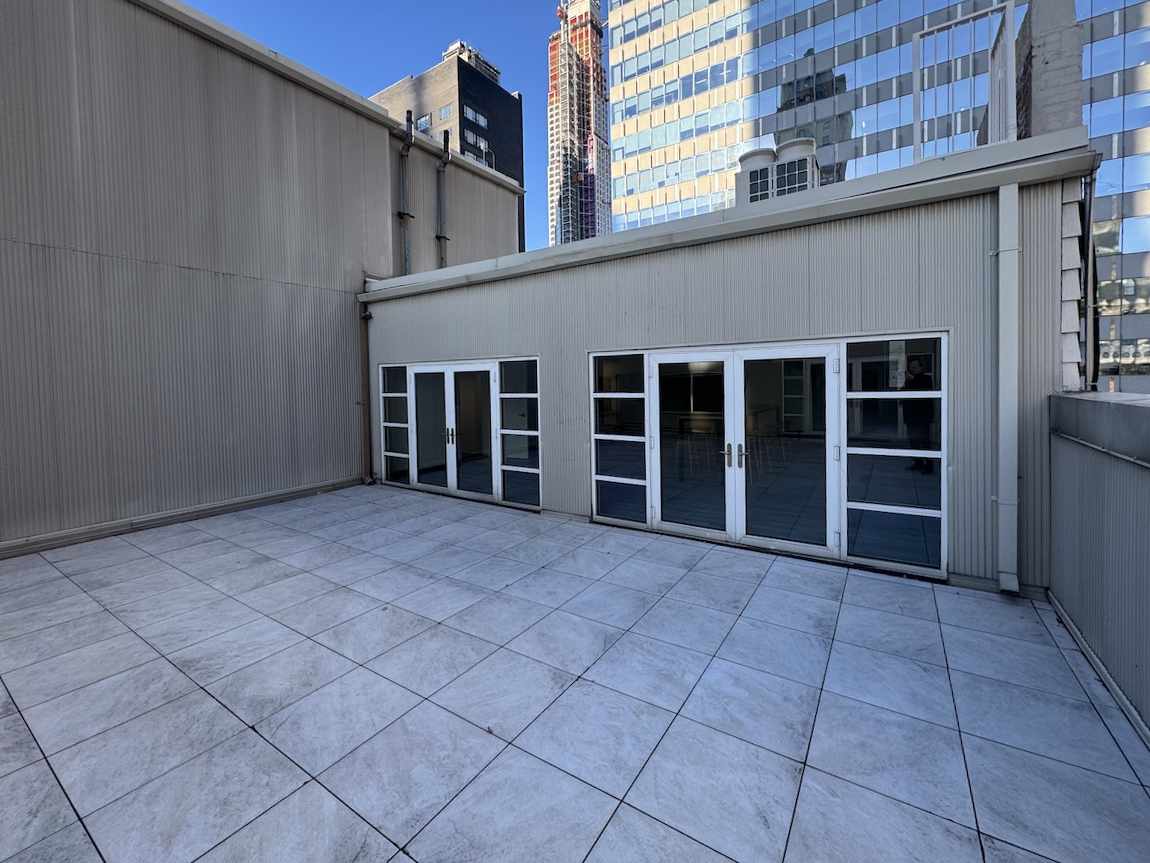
x,y
742,453
727,452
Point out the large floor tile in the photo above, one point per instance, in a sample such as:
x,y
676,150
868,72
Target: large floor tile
x,y
84,712
611,604
17,746
442,599
355,568
651,670
997,851
185,812
365,637
840,821
318,556
646,575
537,551
891,633
896,595
495,573
518,810
50,678
672,553
1062,728
34,807
400,778
243,571
597,734
633,837
391,584
778,650
63,637
25,571
199,624
289,591
917,762
617,540
325,611
504,692
811,614
548,587
764,709
1132,746
998,615
38,594
815,579
168,604
432,659
70,845
264,687
7,705
903,685
1039,666
730,795
566,641
446,560
743,564
1095,817
208,660
310,825
100,578
121,759
24,621
685,624
323,727
497,618
723,594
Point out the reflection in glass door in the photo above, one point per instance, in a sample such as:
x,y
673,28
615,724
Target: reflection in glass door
x,y
471,431
432,429
690,414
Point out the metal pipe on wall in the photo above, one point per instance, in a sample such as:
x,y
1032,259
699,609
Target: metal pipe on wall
x,y
1009,341
441,237
403,213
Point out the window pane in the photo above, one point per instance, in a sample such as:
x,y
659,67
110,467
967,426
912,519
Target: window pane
x,y
396,470
520,450
895,423
395,439
894,480
395,379
518,376
395,409
619,374
621,458
619,416
892,536
521,487
627,502
903,364
520,414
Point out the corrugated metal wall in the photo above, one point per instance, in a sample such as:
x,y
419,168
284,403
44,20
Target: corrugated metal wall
x,y
1101,558
914,269
182,235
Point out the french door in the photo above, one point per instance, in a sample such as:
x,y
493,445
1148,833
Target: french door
x,y
454,438
745,445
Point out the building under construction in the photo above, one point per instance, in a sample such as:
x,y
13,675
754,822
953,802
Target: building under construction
x,y
579,167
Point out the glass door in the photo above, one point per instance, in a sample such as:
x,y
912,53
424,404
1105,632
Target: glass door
x,y
787,449
471,432
690,437
431,432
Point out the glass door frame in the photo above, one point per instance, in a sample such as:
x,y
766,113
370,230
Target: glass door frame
x,y
654,469
832,353
448,371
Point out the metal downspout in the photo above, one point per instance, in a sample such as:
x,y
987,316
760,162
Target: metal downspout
x,y
1091,292
441,237
403,213
365,393
1009,342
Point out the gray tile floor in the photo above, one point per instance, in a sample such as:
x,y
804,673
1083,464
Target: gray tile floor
x,y
348,675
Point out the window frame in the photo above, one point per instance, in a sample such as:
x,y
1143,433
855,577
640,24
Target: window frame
x,y
385,453
644,439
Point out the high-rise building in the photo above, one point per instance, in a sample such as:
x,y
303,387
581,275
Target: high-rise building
x,y
462,95
578,158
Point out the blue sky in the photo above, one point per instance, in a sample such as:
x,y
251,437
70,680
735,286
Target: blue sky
x,y
367,44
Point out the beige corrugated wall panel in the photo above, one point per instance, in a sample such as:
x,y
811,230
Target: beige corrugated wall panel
x,y
182,234
1100,549
1041,373
928,267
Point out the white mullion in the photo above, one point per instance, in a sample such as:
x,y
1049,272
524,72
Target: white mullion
x,y
897,510
523,432
625,438
519,396
619,395
621,480
396,454
896,394
516,469
391,425
898,453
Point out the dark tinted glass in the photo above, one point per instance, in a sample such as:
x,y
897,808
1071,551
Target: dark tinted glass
x,y
627,502
520,450
395,439
895,423
396,469
395,379
473,432
903,364
520,414
395,409
621,458
692,432
894,480
619,416
619,374
521,487
896,537
430,429
518,376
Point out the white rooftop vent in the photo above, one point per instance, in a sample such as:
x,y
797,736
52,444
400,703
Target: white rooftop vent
x,y
772,172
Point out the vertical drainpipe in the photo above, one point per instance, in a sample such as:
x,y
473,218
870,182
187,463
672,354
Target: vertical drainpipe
x,y
1009,343
403,214
365,392
441,237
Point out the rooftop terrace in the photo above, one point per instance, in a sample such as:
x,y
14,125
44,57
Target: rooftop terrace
x,y
380,674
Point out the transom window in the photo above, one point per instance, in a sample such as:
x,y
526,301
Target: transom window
x,y
791,177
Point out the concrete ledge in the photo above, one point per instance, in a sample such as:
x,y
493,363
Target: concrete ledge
x,y
1116,423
